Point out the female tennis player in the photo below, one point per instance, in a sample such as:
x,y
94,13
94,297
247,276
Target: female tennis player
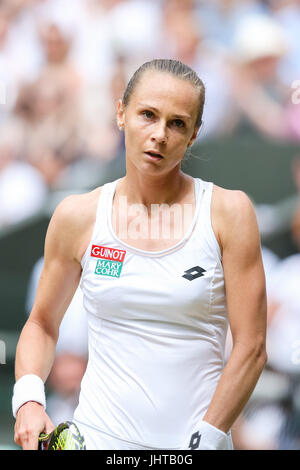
x,y
165,262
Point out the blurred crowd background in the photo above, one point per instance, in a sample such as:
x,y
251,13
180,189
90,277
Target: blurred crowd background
x,y
64,65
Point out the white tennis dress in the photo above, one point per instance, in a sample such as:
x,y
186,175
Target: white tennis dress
x,y
157,326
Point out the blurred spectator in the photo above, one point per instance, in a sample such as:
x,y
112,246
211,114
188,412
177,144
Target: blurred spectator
x,y
22,188
57,88
100,136
287,13
19,58
259,96
259,427
92,51
9,73
135,30
47,120
284,311
283,340
48,108
51,160
71,353
220,18
180,33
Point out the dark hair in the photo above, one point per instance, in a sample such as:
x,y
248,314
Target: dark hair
x,y
173,67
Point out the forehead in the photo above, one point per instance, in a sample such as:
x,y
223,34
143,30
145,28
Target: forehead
x,y
167,93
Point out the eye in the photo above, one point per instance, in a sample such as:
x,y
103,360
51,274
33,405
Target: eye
x,y
148,114
178,123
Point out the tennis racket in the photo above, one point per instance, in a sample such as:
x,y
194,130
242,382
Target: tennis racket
x,y
65,436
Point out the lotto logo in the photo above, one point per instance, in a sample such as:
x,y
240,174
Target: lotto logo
x,y
195,441
193,273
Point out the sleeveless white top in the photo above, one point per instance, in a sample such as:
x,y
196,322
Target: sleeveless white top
x,y
157,325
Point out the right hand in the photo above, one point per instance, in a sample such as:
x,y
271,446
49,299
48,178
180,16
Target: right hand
x,y
31,420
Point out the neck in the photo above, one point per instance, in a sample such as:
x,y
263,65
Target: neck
x,y
158,189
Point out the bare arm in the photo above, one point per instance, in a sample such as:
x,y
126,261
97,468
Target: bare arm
x,y
246,302
36,347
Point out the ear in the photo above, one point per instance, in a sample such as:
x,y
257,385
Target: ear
x,y
120,115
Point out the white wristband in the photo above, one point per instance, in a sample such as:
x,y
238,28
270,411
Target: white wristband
x,y
208,437
30,387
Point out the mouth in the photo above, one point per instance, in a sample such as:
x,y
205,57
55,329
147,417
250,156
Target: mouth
x,y
154,155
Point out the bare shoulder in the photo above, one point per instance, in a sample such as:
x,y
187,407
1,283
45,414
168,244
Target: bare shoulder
x,y
231,202
77,209
233,214
73,221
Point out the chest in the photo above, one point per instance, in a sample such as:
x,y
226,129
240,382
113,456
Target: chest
x,y
154,229
172,288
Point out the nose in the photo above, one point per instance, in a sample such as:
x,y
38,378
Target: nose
x,y
159,134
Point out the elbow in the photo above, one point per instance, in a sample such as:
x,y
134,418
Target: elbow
x,y
263,357
43,327
254,352
259,354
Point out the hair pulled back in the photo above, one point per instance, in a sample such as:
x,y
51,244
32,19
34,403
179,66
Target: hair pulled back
x,y
174,68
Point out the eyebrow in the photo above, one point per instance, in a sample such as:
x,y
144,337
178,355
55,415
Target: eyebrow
x,y
177,116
